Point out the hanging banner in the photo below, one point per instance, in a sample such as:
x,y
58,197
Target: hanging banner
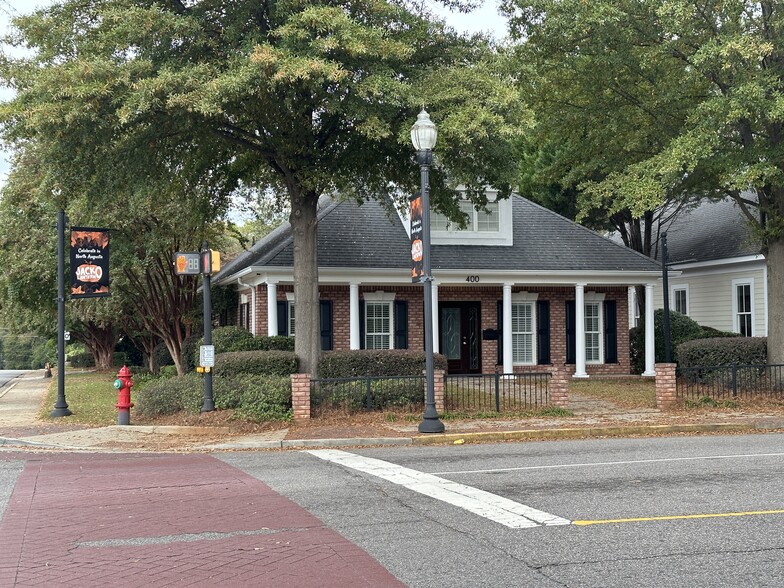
x,y
89,262
417,250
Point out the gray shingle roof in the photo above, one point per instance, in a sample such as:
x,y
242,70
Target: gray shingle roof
x,y
352,236
712,230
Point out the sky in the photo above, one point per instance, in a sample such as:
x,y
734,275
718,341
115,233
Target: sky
x,y
485,19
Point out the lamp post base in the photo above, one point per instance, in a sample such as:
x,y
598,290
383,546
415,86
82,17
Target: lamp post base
x,y
60,412
430,422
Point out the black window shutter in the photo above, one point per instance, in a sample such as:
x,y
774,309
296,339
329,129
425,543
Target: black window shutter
x,y
401,324
543,332
610,332
283,318
361,324
500,325
571,333
325,313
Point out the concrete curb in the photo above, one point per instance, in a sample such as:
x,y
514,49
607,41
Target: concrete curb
x,y
422,440
587,432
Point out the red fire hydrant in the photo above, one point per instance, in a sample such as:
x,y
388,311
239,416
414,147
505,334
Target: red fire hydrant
x,y
123,384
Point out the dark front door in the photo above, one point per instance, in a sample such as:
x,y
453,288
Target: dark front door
x,y
460,336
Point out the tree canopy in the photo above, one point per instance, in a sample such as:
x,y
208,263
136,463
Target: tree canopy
x,y
653,100
302,98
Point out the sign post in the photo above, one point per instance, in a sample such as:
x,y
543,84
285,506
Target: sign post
x,y
204,262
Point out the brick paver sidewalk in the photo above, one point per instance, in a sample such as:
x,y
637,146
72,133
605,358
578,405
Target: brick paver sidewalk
x,y
186,520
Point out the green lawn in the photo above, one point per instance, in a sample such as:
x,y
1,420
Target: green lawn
x,y
91,397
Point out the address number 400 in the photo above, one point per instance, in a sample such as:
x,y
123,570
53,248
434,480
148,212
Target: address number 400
x,y
472,279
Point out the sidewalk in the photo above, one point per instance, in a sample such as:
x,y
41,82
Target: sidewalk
x,y
20,403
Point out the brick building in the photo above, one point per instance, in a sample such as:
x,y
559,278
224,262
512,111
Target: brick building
x,y
509,290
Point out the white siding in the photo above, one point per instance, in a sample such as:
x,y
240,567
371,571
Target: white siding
x,y
711,295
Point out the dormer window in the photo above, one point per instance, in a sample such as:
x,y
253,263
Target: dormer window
x,y
478,221
490,225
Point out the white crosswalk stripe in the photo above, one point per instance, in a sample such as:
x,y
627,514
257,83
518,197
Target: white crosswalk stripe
x,y
485,504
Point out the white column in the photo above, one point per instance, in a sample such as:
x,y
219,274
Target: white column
x,y
354,316
272,309
435,316
507,328
579,331
650,348
253,309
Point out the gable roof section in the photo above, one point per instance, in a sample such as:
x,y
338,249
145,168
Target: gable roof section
x,y
366,237
711,231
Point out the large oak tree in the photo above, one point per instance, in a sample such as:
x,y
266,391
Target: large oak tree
x,y
301,97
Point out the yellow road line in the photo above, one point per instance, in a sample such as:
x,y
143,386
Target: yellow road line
x,y
676,517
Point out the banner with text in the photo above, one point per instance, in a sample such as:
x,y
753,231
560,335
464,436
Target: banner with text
x,y
89,262
417,250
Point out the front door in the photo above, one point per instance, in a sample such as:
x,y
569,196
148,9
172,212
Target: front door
x,y
460,336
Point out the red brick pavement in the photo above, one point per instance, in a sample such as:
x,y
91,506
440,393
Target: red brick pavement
x,y
175,520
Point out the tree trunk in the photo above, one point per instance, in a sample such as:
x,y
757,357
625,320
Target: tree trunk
x,y
304,226
775,262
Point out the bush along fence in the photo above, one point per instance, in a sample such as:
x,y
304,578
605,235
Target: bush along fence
x,y
730,382
490,392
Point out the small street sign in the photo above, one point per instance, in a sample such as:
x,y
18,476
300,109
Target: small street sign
x,y
67,335
207,356
187,263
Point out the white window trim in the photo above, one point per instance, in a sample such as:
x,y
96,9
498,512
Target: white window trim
x,y
380,297
530,301
289,323
735,323
461,237
595,298
678,287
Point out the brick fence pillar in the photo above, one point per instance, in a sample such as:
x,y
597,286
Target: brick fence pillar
x,y
438,388
559,387
665,386
300,396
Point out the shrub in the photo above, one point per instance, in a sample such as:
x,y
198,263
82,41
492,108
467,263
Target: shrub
x,y
275,343
170,395
376,362
168,371
190,352
682,329
264,399
719,351
227,339
260,363
162,355
82,360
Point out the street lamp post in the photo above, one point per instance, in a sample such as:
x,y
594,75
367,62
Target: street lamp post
x,y
423,136
60,406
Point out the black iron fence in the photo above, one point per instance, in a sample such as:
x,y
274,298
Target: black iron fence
x,y
730,382
368,393
496,392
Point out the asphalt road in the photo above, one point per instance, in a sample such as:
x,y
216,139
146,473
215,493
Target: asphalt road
x,y
426,542
685,511
7,375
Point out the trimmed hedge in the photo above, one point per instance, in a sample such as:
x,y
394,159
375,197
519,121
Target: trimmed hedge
x,y
259,363
254,398
169,395
82,360
682,329
376,362
720,351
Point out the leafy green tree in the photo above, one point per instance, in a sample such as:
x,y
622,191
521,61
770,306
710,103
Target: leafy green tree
x,y
298,98
656,101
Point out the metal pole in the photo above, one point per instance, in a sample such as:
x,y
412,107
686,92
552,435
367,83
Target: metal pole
x,y
60,406
431,422
665,284
208,404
